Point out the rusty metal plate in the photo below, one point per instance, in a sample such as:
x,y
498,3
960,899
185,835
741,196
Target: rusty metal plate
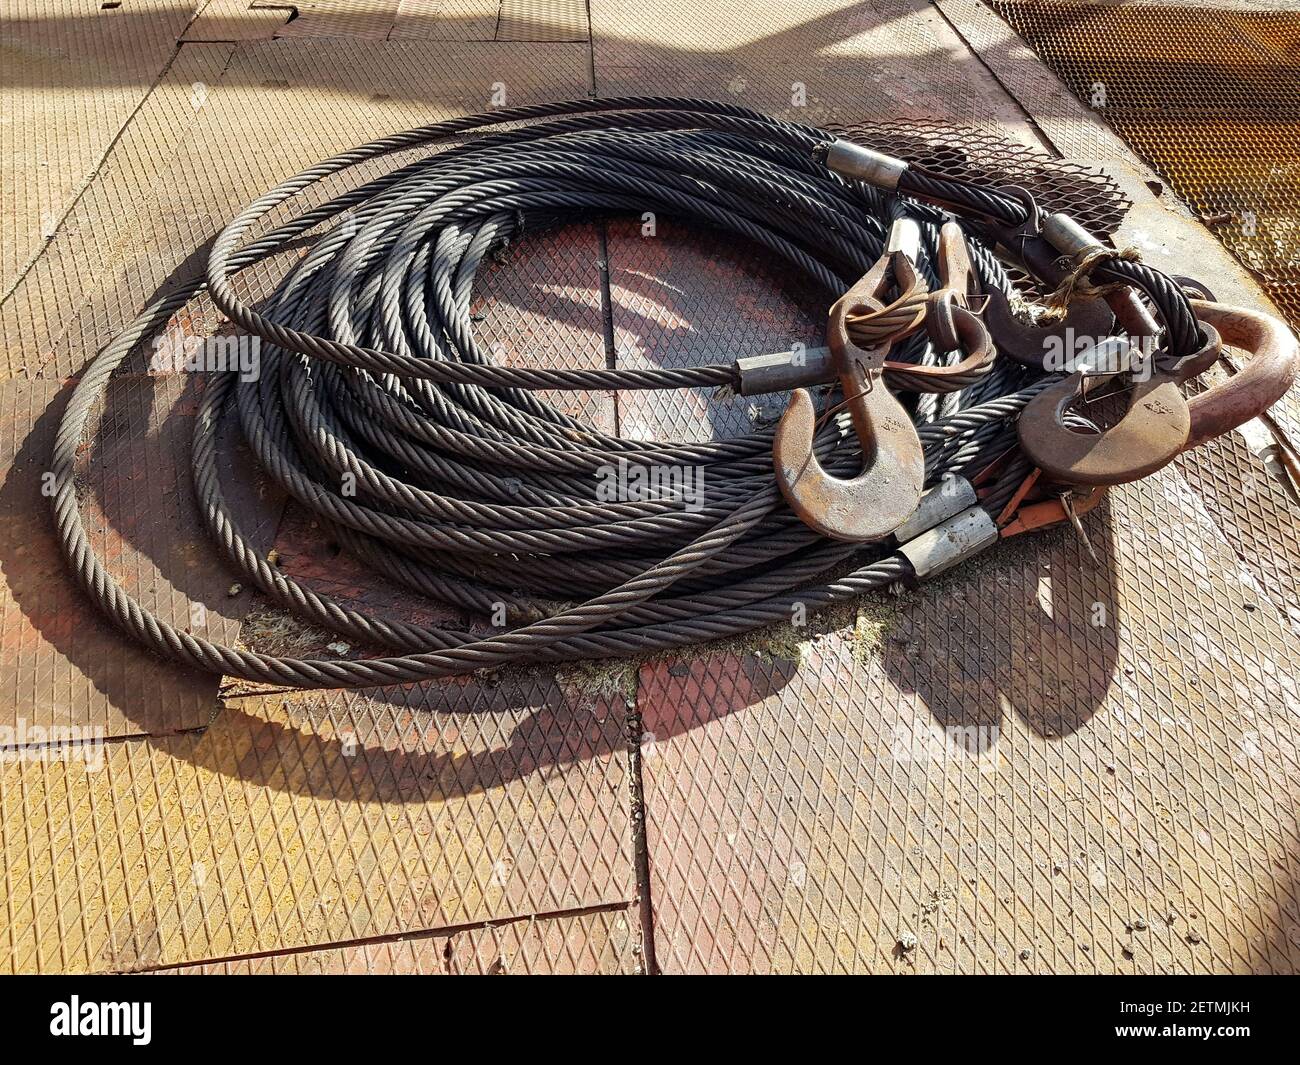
x,y
172,182
40,321
1254,514
542,304
686,296
447,20
604,942
984,767
74,74
543,20
63,665
318,818
361,19
819,62
219,21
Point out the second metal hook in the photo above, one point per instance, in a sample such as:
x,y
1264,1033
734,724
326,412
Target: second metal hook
x,y
1154,428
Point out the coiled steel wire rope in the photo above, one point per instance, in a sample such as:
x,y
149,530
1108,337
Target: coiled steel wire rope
x,y
468,487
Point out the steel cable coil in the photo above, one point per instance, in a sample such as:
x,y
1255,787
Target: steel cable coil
x,y
377,409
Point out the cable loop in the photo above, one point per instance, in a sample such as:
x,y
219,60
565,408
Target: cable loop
x,y
378,410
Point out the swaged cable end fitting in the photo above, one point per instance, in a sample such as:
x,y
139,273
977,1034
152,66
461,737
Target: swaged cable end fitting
x,y
943,546
1068,237
865,164
905,236
781,371
951,496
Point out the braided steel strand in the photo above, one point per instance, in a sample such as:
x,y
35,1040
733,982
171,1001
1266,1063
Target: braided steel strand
x,y
466,485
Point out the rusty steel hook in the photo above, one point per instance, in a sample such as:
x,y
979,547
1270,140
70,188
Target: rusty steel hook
x,y
959,282
1159,423
1154,428
949,320
1041,346
1261,382
874,503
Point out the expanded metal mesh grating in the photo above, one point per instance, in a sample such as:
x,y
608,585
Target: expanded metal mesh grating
x,y
1210,97
975,155
1087,195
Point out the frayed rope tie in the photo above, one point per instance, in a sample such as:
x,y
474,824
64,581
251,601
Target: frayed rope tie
x,y
1076,283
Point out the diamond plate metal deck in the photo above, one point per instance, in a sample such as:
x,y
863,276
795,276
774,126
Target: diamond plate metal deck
x,y
1036,764
294,102
1017,787
63,665
821,62
363,20
604,943
545,295
317,818
683,297
543,20
55,135
222,21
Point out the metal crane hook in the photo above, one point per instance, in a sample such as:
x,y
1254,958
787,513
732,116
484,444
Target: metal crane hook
x,y
1154,428
874,503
